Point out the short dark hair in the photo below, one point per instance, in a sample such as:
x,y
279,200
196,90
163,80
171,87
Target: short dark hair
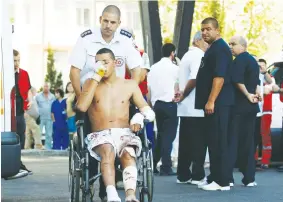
x,y
262,60
167,49
106,50
212,21
112,9
60,91
15,52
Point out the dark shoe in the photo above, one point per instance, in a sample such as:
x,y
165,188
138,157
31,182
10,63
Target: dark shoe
x,y
23,167
156,172
280,169
170,173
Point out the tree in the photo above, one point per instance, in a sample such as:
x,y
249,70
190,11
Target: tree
x,y
167,12
52,77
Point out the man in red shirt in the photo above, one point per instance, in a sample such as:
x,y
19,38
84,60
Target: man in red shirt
x,y
142,85
266,119
21,96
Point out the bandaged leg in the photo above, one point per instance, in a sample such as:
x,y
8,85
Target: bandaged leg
x,y
130,183
129,173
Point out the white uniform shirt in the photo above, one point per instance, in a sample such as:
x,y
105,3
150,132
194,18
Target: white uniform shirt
x,y
161,80
260,104
91,41
189,67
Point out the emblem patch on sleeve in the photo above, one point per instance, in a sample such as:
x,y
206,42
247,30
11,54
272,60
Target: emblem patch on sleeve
x,y
125,33
85,33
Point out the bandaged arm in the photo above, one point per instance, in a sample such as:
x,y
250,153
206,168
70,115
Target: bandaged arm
x,y
146,113
91,82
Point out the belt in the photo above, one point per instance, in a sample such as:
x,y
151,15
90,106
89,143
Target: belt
x,y
166,102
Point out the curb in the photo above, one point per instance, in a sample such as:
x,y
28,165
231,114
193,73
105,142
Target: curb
x,y
36,152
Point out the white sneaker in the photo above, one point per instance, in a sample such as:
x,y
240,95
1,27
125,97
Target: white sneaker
x,y
215,187
252,184
203,183
184,182
196,182
231,184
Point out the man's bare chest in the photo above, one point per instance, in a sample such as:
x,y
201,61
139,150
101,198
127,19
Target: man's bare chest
x,y
112,97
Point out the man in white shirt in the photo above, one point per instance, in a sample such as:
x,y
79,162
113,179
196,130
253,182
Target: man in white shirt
x,y
192,147
82,59
161,83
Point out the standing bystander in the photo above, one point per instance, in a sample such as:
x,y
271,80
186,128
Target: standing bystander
x,y
162,80
215,95
44,101
59,118
21,100
192,144
245,76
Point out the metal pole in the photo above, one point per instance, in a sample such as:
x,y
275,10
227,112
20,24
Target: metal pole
x,y
151,29
183,26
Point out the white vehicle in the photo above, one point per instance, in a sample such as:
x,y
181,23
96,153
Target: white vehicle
x,y
276,70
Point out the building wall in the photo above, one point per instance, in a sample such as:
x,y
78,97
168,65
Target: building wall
x,y
58,23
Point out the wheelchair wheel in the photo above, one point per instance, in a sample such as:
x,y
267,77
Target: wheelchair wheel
x,y
144,196
149,176
77,185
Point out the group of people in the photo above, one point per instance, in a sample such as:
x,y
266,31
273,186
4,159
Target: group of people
x,y
44,112
219,99
216,98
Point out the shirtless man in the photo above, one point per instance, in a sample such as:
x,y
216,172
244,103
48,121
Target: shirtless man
x,y
106,98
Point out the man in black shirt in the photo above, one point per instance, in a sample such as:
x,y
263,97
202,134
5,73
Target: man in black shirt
x,y
215,95
246,78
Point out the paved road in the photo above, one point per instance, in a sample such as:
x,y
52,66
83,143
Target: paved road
x,y
49,183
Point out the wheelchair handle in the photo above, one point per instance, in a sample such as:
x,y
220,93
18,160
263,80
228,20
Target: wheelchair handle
x,y
80,123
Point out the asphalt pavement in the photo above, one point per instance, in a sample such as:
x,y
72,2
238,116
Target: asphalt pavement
x,y
50,183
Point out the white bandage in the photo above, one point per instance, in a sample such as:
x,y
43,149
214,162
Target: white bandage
x,y
130,175
148,113
89,72
137,119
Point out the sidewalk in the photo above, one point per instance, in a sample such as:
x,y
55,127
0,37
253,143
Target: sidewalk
x,y
39,152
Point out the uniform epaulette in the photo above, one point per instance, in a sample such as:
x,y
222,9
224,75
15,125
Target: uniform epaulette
x,y
85,33
125,33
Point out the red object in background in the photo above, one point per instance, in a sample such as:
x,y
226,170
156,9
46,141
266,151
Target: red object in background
x,y
143,84
13,111
281,95
24,86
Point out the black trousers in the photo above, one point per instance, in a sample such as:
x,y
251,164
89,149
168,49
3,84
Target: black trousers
x,y
192,148
241,143
257,134
217,129
21,128
167,123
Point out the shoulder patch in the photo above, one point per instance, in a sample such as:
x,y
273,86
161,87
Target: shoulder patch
x,y
125,33
85,33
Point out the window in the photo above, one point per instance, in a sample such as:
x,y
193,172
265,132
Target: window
x,y
83,17
86,17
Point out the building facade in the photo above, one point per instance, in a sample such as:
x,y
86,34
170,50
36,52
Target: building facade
x,y
58,23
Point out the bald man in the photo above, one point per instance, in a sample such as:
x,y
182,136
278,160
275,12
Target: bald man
x,y
82,59
245,71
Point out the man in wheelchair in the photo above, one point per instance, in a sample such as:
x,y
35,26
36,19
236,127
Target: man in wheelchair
x,y
106,98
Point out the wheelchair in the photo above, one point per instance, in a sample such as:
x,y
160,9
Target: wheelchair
x,y
81,186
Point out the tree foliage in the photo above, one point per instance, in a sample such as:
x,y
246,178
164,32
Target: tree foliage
x,y
52,76
253,19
